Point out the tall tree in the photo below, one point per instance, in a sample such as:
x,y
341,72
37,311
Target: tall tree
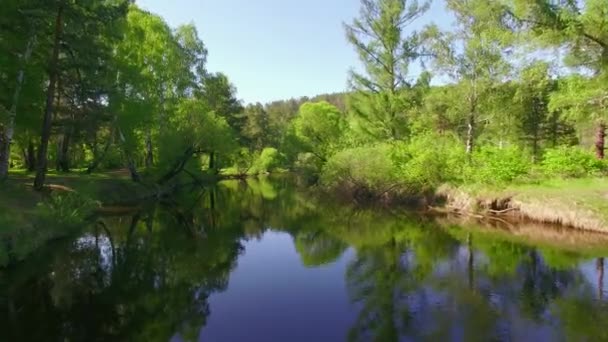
x,y
79,30
386,49
471,54
19,40
533,94
581,28
256,126
50,98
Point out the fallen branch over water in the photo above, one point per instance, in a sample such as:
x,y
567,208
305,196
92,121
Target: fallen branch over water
x,y
504,211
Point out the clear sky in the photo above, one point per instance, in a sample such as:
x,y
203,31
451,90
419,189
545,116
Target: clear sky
x,y
275,49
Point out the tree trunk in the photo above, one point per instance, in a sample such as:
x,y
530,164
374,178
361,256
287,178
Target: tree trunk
x,y
535,140
599,140
99,158
130,163
48,111
470,133
5,152
30,159
149,150
63,158
6,134
212,161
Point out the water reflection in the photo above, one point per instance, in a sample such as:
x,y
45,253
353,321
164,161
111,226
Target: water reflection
x,y
260,260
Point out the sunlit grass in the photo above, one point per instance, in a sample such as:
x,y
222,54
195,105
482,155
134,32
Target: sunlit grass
x,y
580,203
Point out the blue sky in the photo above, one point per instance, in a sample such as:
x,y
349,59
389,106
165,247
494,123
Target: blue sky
x,y
276,49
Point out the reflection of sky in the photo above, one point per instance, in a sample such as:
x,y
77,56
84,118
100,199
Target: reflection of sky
x,y
87,241
591,274
272,297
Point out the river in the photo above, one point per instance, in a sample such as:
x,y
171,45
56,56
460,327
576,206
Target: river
x,y
266,260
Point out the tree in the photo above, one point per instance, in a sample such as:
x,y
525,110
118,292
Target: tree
x,y
472,55
380,39
220,95
194,130
533,94
256,126
50,94
584,99
22,29
581,29
318,128
68,44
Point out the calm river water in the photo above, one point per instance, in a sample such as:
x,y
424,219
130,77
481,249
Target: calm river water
x,y
265,261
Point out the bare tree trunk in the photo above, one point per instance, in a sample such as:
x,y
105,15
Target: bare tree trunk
x,y
470,133
599,140
535,148
48,111
6,134
471,121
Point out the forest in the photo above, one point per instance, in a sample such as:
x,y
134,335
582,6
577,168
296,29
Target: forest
x,y
514,92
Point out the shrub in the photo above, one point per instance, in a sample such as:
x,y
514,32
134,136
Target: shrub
x,y
268,160
431,160
67,210
571,162
56,217
369,167
492,165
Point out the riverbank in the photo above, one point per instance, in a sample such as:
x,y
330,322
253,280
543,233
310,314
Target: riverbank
x,y
575,203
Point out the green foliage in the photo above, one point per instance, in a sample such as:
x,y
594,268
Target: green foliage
x,y
57,216
496,165
430,160
267,161
67,210
571,162
368,167
318,129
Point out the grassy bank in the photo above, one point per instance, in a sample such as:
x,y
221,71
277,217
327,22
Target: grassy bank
x,y
576,203
30,219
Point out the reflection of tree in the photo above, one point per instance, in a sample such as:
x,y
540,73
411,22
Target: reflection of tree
x,y
377,280
318,248
582,317
541,285
149,275
156,283
385,278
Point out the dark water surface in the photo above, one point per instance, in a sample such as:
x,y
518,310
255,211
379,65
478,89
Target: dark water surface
x,y
265,261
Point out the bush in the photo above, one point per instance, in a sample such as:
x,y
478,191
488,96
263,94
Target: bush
x,y
430,161
58,216
571,162
369,167
66,210
495,165
267,161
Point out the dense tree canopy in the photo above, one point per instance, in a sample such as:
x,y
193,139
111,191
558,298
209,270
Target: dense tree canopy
x,y
106,85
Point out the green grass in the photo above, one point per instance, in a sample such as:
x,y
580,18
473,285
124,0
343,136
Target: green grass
x,y
580,203
17,191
